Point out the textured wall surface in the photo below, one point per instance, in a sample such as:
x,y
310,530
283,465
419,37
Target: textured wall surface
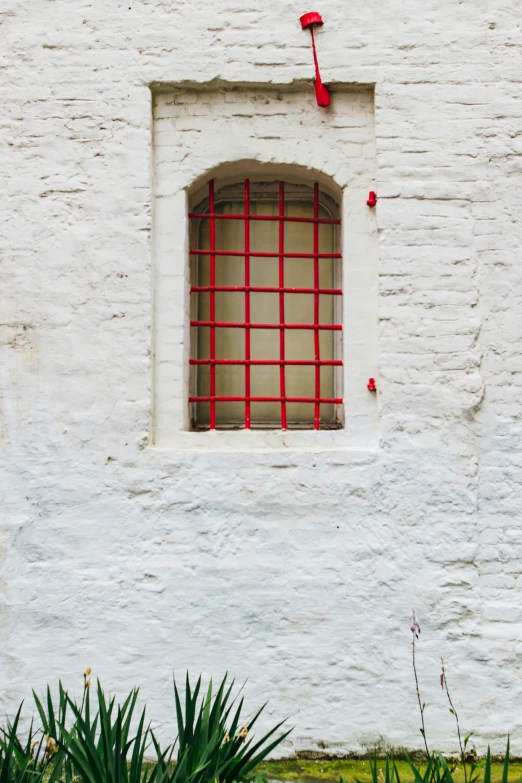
x,y
229,133
295,569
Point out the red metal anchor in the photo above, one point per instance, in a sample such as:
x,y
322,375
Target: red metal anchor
x,y
308,22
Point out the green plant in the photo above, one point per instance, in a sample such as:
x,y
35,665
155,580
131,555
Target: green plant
x,y
390,773
463,745
415,630
53,725
102,749
26,761
439,771
428,774
213,743
81,744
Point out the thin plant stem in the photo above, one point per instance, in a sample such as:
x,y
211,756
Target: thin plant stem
x,y
421,706
444,684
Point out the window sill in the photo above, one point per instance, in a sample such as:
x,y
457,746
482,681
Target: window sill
x,y
269,440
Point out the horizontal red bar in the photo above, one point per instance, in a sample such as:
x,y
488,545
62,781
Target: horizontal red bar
x,y
271,362
286,218
266,289
262,255
233,325
336,400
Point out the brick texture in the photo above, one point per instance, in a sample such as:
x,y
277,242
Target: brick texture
x,y
294,569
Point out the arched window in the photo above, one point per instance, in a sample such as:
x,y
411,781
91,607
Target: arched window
x,y
265,309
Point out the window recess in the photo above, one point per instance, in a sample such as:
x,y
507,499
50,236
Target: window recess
x,y
265,301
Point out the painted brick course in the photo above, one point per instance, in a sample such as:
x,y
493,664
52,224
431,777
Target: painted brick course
x,y
295,569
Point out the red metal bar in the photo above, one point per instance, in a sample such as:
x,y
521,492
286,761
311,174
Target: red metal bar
x,y
287,218
247,289
317,344
269,362
211,197
314,50
247,303
282,400
321,91
267,289
238,325
282,379
255,254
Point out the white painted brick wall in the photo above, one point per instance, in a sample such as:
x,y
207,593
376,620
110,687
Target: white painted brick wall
x,y
297,570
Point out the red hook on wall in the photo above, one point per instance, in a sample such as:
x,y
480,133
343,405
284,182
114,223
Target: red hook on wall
x,y
308,22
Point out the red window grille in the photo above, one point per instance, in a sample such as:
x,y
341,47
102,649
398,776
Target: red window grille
x,y
250,257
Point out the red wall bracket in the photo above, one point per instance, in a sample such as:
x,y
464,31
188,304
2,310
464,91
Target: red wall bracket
x,y
308,22
372,198
371,384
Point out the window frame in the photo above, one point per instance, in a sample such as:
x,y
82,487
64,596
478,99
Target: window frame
x,y
243,191
344,162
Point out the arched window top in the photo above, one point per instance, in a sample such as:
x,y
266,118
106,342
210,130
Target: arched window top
x,y
264,191
265,303
232,175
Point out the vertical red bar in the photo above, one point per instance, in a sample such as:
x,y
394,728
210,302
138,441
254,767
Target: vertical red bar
x,y
282,383
247,304
211,206
317,347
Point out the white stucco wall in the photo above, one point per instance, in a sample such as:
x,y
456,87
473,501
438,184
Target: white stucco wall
x,y
295,569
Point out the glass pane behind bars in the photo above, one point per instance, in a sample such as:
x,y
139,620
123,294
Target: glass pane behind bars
x,y
264,309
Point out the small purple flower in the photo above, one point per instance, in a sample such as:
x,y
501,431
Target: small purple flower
x,y
414,625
